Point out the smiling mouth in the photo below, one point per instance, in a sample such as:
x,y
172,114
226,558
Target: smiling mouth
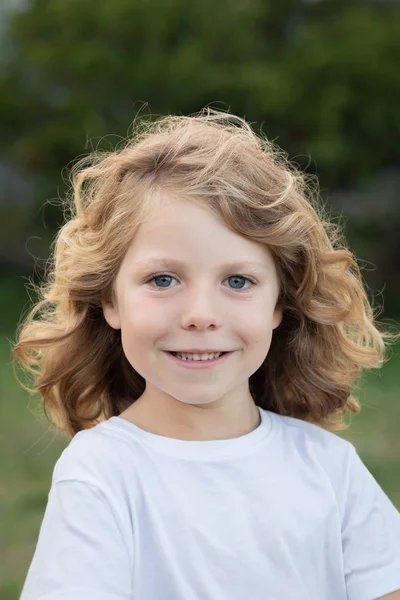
x,y
199,362
176,353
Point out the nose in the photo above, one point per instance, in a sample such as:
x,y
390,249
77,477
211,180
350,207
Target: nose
x,y
200,309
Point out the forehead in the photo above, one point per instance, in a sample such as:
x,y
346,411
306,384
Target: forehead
x,y
166,262
184,231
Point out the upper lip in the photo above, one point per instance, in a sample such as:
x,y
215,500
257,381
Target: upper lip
x,y
197,351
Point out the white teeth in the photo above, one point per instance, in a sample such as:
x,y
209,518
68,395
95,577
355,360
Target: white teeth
x,y
185,356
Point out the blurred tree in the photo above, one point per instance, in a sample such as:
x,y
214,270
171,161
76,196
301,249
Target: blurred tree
x,y
320,77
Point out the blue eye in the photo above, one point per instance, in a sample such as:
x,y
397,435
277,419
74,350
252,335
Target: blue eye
x,y
166,276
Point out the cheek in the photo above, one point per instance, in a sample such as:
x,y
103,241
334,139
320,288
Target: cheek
x,y
139,339
257,329
257,318
261,340
142,326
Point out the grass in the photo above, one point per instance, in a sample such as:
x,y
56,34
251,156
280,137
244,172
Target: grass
x,y
30,450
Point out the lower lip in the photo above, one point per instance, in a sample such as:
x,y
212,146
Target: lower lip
x,y
199,364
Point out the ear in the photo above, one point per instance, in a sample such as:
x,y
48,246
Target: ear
x,y
278,315
111,314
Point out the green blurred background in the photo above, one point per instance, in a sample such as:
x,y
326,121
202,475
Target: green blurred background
x,y
320,78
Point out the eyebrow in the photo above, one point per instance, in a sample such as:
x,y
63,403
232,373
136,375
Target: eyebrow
x,y
175,263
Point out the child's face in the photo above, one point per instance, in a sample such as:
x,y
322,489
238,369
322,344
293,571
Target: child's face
x,y
196,305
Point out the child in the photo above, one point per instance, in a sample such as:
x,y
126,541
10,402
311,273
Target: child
x,y
200,333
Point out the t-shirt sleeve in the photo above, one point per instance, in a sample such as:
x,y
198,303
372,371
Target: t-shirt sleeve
x,y
80,553
370,536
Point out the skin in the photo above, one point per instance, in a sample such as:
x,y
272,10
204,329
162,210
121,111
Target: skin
x,y
198,305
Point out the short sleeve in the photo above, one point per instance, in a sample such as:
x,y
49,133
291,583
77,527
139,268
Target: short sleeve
x,y
80,553
370,536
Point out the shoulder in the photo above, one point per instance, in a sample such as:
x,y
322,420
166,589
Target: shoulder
x,y
300,431
315,449
96,456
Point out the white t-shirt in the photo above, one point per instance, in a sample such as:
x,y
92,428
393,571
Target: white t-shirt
x,y
288,511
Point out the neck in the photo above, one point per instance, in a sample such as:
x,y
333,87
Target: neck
x,y
219,420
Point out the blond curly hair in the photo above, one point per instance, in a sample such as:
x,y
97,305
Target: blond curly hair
x,y
328,333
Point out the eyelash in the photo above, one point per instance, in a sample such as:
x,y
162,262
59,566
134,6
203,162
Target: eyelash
x,y
153,277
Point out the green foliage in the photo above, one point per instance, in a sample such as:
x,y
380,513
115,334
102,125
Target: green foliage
x,y
321,77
